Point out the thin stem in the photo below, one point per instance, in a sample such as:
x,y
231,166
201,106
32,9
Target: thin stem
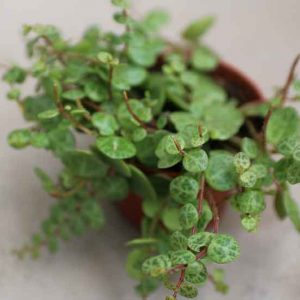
x,y
214,208
179,283
178,147
289,80
133,114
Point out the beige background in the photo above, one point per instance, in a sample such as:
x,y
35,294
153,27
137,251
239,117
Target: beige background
x,y
261,37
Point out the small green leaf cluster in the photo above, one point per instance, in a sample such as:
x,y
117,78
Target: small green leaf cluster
x,y
162,128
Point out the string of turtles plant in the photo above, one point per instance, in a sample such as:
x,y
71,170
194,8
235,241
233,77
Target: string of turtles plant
x,y
161,127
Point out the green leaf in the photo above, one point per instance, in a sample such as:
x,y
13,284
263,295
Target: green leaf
x,y
196,273
251,202
142,242
287,146
19,138
184,189
250,222
223,120
281,168
223,249
199,240
155,19
61,140
241,162
218,276
293,172
170,143
195,136
113,188
126,119
116,147
143,51
84,164
126,76
203,59
249,147
195,161
181,257
48,114
292,209
73,94
151,208
197,29
134,263
187,290
121,3
248,179
141,185
105,57
188,216
13,94
220,173
259,170
170,218
168,161
182,119
205,217
105,123
39,140
96,91
178,241
283,123
146,148
15,75
47,182
296,154
156,265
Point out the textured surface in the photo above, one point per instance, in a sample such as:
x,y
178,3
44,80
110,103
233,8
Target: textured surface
x,y
261,37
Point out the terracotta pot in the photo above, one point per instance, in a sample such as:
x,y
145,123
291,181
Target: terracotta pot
x,y
238,86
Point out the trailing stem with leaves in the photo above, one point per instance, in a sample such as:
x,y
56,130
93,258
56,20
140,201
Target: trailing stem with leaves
x,y
163,128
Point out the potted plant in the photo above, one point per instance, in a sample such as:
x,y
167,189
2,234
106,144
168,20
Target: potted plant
x,y
174,134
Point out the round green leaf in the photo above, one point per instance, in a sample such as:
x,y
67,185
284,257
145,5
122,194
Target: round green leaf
x,y
105,57
250,222
182,257
125,76
19,138
188,216
73,94
283,123
116,147
220,173
156,265
293,173
96,91
249,147
248,179
194,135
195,161
223,249
171,141
296,154
170,218
204,59
48,114
196,273
184,189
105,123
241,162
187,290
84,164
223,120
178,241
199,240
251,202
259,170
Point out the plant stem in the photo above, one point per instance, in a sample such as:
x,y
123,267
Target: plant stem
x,y
289,81
214,208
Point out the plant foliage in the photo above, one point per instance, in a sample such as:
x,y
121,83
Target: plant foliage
x,y
161,127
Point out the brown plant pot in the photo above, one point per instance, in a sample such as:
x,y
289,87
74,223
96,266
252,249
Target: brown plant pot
x,y
240,87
